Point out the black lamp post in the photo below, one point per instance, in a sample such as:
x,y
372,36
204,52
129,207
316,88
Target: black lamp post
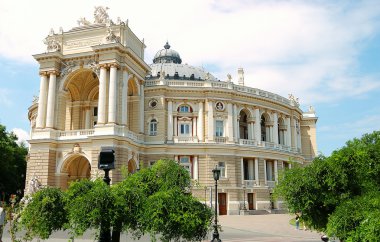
x,y
215,235
106,162
244,207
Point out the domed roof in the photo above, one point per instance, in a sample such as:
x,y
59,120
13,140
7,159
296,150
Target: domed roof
x,y
167,55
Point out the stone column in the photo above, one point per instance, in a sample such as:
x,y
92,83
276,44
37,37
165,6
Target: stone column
x,y
275,171
200,132
112,95
51,100
170,120
124,98
141,106
210,116
230,126
194,129
299,136
288,138
257,170
275,128
41,115
242,170
102,95
195,168
87,118
175,118
294,134
257,125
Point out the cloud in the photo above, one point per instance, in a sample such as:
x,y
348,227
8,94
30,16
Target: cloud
x,y
22,136
306,48
5,97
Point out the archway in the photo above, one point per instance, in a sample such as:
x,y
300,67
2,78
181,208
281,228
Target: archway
x,y
133,105
75,168
243,125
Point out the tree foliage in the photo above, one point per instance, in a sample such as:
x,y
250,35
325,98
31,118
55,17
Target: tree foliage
x,y
155,200
339,194
12,163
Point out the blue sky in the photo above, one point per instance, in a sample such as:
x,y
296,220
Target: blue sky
x,y
327,53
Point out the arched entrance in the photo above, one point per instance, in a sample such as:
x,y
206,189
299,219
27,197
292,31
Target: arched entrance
x,y
75,168
243,125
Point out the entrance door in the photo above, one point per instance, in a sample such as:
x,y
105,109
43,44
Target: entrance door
x,y
251,201
222,200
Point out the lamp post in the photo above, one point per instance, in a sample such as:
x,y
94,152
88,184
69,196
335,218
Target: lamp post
x,y
244,208
106,162
215,235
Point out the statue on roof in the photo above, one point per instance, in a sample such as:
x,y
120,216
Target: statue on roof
x,y
101,15
83,22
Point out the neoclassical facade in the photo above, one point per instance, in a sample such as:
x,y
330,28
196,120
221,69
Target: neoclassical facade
x,y
96,90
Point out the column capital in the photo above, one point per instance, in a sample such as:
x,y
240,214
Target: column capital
x,y
53,72
104,65
115,65
141,82
169,99
43,73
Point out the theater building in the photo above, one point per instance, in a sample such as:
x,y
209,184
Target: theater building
x,y
97,90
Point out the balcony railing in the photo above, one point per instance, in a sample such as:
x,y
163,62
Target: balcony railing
x,y
250,183
185,139
269,145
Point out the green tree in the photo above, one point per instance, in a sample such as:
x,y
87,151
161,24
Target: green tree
x,y
338,194
12,163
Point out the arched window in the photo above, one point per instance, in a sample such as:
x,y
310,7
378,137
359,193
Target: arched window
x,y
184,109
153,127
263,129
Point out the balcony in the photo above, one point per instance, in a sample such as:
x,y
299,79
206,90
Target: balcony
x,y
250,183
185,139
269,145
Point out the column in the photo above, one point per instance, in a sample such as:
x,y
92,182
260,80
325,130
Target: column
x,y
242,170
275,128
195,168
230,126
275,171
299,136
257,125
112,95
265,172
250,170
236,124
194,129
210,116
257,170
41,116
252,133
102,95
288,138
294,134
87,118
170,120
124,98
175,126
51,100
141,106
200,131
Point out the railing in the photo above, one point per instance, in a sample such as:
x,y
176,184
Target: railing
x,y
271,183
83,133
250,183
269,145
185,139
219,139
222,85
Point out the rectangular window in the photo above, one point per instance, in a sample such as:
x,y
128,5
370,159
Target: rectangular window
x,y
151,163
185,129
222,168
186,163
270,171
153,128
219,128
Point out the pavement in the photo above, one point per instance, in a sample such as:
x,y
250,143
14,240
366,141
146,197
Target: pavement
x,y
252,228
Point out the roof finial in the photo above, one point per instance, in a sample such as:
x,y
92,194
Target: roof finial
x,y
167,46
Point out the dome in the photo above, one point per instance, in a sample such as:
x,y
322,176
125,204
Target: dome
x,y
167,55
167,62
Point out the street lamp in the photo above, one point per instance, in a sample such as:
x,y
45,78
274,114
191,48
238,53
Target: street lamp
x,y
215,235
244,208
106,162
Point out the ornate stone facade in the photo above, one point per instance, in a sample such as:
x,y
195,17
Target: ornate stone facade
x,y
96,90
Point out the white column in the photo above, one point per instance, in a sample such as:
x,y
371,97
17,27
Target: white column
x,y
124,98
194,129
299,136
257,170
294,136
275,171
200,132
210,116
251,124
257,125
175,126
51,101
242,170
141,107
250,170
230,126
275,128
88,118
102,95
195,168
265,172
236,124
112,95
170,120
290,165
41,115
288,134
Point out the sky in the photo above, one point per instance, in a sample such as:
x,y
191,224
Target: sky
x,y
326,53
